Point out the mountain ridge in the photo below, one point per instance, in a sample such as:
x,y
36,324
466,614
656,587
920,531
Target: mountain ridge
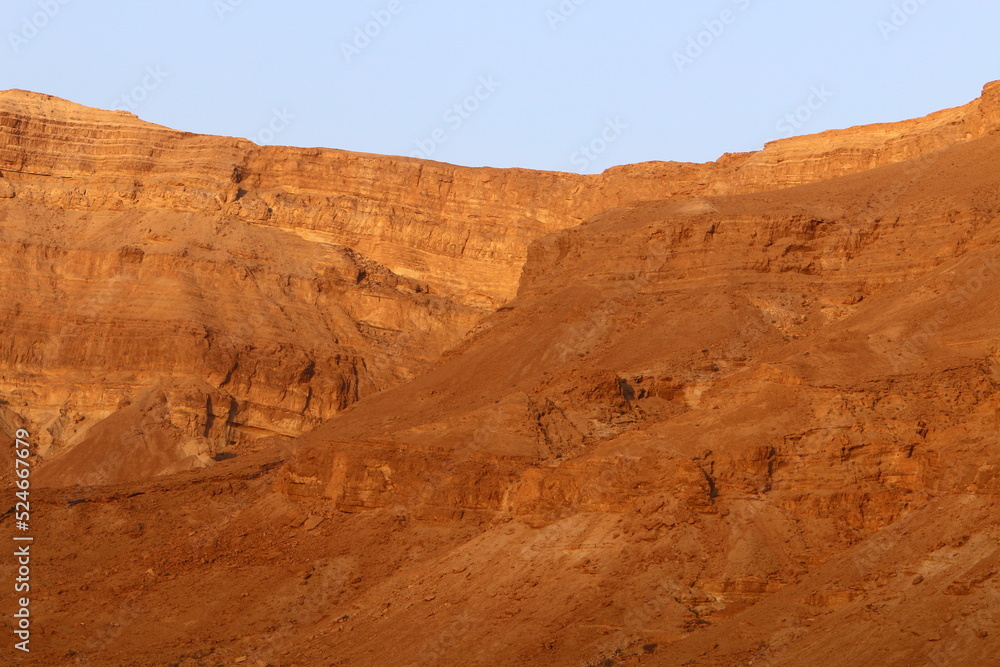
x,y
729,413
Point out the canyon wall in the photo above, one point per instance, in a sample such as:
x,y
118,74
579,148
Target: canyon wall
x,y
297,280
721,429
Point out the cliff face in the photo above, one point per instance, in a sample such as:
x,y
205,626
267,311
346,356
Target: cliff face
x,y
464,231
714,431
710,414
673,329
297,280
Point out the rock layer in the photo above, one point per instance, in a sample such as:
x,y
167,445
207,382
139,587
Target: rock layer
x,y
136,251
733,413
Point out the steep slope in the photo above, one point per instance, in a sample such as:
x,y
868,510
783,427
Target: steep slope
x,y
293,280
755,428
790,397
798,373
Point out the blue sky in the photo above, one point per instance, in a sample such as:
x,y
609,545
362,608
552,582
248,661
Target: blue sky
x,y
568,85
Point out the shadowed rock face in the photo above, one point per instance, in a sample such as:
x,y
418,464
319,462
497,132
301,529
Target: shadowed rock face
x,y
671,414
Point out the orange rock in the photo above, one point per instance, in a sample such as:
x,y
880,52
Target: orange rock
x,y
734,412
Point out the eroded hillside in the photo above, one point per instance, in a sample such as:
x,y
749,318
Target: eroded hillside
x,y
744,412
247,291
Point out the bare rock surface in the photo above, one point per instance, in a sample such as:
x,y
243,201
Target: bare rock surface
x,y
369,410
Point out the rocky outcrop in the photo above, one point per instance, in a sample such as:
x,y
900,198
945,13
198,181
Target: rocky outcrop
x,y
788,295
464,231
771,360
286,328
720,421
297,280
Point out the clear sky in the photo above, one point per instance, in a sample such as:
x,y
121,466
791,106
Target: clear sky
x,y
569,85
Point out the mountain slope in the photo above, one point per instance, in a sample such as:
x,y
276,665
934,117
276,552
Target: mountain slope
x,y
135,253
754,425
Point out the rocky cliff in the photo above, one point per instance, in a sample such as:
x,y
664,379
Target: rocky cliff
x,y
296,280
743,412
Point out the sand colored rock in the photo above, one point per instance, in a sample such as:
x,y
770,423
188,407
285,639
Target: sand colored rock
x,y
744,412
358,270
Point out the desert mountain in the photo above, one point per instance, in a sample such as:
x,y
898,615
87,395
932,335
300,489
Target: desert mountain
x,y
292,282
378,411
